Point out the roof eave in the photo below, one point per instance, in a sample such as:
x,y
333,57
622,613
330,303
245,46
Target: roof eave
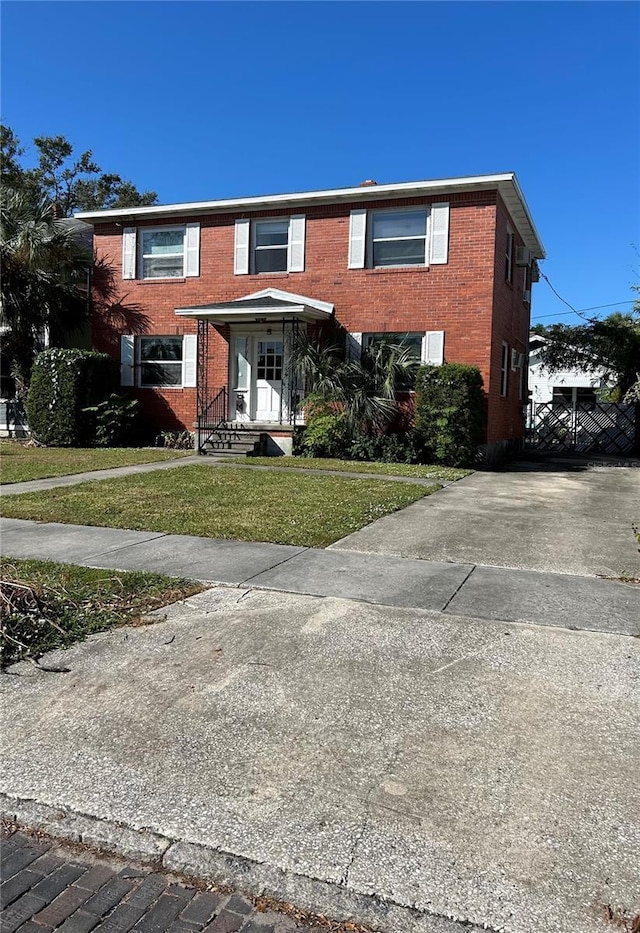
x,y
505,182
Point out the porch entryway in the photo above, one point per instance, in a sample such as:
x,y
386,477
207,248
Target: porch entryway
x,y
256,378
262,392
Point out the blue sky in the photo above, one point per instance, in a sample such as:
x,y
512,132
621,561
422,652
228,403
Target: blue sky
x,y
200,100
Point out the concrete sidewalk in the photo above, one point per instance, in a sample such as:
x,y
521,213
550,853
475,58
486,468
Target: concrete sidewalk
x,y
469,589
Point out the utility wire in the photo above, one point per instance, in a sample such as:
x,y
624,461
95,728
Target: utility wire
x,y
575,310
614,304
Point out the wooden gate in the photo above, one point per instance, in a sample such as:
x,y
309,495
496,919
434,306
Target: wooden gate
x,y
605,428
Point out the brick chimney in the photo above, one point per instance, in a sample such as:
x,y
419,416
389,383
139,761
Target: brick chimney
x,y
367,183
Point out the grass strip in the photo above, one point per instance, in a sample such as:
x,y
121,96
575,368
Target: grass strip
x,y
438,474
250,505
46,605
20,463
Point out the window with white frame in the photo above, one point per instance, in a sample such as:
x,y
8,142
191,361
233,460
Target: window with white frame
x,y
504,370
412,344
171,252
508,265
269,246
421,347
398,238
162,253
158,361
394,237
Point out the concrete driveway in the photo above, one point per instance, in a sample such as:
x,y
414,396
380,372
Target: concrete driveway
x,y
412,769
558,518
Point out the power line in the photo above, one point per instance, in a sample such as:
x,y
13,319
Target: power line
x,y
569,305
614,304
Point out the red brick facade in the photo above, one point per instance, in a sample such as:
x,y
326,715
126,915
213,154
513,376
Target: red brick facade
x,y
467,297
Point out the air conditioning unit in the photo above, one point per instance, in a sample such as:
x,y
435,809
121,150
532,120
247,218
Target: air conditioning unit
x,y
526,296
524,256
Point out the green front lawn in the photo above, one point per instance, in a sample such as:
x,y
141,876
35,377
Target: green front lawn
x,y
46,605
20,463
250,505
439,474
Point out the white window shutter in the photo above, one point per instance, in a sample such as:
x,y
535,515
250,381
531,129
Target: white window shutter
x,y
357,238
189,360
439,251
433,348
192,249
354,346
129,253
127,351
241,264
295,251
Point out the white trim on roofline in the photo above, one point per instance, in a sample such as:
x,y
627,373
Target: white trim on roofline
x,y
279,295
506,183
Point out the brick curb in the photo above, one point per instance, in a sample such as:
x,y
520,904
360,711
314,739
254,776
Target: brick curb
x,y
225,869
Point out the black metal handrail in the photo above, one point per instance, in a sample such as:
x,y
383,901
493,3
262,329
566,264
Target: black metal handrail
x,y
212,417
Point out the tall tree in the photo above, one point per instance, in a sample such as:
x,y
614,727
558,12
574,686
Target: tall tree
x,y
73,184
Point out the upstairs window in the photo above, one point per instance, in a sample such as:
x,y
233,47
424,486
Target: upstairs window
x,y
398,238
161,252
271,245
411,237
508,265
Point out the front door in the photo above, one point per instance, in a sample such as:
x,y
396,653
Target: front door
x,y
268,379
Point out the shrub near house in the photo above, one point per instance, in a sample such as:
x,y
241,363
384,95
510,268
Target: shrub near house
x,y
449,412
72,400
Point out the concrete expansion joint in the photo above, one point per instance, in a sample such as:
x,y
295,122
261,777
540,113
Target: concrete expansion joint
x,y
456,591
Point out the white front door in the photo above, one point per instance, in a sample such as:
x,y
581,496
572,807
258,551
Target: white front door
x,y
268,359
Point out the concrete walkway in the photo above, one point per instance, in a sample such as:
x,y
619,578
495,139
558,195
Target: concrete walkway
x,y
456,588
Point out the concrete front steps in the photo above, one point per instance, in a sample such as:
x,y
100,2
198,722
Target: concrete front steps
x,y
238,439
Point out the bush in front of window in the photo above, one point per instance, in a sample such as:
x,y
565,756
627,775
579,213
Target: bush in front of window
x,y
449,409
65,385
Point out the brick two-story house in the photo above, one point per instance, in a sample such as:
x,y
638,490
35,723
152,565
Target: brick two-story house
x,y
209,294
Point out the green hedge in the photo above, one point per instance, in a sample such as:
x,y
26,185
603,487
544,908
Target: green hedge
x,y
63,384
449,410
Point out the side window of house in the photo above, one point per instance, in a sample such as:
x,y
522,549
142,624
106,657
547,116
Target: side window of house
x,y
268,246
504,370
158,361
394,238
161,252
508,265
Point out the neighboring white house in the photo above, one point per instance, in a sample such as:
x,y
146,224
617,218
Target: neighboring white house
x,y
566,388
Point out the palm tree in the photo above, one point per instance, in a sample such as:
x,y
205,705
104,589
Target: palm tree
x,y
364,391
45,276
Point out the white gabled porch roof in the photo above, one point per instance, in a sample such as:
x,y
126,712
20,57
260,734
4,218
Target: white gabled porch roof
x,y
260,307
